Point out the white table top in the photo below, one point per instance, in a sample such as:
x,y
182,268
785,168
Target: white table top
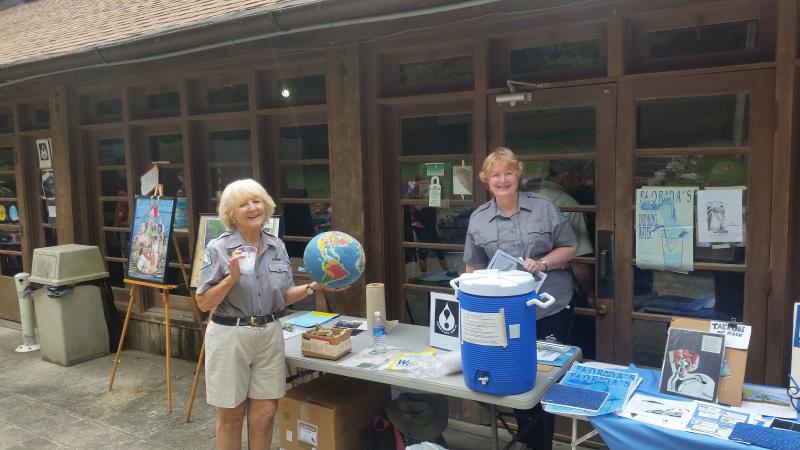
x,y
415,338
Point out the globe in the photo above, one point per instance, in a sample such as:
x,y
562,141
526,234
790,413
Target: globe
x,y
334,259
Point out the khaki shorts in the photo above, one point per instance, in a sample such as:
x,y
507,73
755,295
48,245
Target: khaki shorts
x,y
244,362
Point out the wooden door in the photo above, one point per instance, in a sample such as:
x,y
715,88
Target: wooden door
x,y
565,137
709,131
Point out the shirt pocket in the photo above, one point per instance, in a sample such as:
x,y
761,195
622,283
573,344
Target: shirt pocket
x,y
486,241
280,275
539,239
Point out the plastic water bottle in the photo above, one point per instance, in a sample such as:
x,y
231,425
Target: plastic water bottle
x,y
378,333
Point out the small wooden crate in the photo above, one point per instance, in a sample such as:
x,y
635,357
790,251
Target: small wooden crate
x,y
326,343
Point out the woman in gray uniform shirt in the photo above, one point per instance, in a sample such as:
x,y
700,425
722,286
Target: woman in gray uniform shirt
x,y
529,226
245,369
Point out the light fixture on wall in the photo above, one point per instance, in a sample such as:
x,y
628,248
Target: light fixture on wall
x,y
513,97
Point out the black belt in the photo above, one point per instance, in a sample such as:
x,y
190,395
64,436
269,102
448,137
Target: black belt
x,y
252,321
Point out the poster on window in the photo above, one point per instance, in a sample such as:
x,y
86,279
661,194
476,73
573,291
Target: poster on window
x,y
44,148
719,216
150,237
665,228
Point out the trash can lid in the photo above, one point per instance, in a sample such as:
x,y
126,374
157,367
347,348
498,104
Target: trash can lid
x,y
496,283
66,264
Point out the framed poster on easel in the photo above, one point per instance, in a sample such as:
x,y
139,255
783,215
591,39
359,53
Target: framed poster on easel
x,y
151,232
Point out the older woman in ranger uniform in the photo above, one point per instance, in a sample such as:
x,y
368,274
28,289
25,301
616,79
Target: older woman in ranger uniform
x,y
528,226
245,369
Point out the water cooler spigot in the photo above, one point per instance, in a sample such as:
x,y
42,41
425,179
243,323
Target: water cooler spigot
x,y
29,343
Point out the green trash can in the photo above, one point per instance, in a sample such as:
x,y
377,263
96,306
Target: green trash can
x,y
71,322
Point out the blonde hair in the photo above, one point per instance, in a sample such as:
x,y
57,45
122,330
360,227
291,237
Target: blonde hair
x,y
235,194
501,156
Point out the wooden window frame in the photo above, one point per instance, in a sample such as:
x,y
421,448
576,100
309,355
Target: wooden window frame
x,y
266,79
389,63
700,15
500,47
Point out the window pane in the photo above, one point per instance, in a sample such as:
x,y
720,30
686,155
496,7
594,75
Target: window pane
x,y
225,175
10,240
115,213
708,121
321,216
50,237
41,118
173,181
416,181
432,267
299,220
9,212
232,94
163,104
436,225
437,72
417,302
702,171
567,130
10,264
167,147
7,158
108,109
565,55
116,273
304,142
113,183
561,180
111,152
582,334
49,212
306,90
649,340
295,251
702,294
233,145
183,243
306,181
698,40
6,122
8,186
117,244
437,135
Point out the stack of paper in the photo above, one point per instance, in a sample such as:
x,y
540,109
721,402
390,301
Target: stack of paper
x,y
585,382
553,354
312,318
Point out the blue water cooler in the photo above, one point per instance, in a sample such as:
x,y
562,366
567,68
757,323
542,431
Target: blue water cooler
x,y
498,330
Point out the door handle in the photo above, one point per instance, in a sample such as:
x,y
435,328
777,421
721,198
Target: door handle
x,y
605,263
602,310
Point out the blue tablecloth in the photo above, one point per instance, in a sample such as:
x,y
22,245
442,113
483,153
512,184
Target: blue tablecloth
x,y
621,433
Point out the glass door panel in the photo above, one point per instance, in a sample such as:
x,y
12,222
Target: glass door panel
x,y
703,132
565,139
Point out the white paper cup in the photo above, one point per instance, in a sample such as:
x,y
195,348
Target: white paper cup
x,y
247,265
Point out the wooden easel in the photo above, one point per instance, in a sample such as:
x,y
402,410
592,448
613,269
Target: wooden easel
x,y
164,288
165,297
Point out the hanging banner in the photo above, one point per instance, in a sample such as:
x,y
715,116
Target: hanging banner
x,y
665,228
719,215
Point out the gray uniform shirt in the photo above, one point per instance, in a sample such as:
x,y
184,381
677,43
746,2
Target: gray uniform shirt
x,y
261,293
532,231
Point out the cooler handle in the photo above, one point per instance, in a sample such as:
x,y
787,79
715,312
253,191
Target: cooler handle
x,y
454,285
537,302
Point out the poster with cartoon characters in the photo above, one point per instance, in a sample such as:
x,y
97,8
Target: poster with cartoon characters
x,y
151,232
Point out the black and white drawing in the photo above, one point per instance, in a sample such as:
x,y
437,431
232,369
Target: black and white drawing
x,y
720,217
692,363
445,323
44,148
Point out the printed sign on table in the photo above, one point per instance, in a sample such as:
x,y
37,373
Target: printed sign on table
x,y
445,329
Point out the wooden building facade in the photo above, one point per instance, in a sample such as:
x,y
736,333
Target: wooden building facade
x,y
345,109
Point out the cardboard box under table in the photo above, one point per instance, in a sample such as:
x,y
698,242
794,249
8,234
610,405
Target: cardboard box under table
x,y
330,413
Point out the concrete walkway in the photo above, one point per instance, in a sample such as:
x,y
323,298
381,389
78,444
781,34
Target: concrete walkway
x,y
44,405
